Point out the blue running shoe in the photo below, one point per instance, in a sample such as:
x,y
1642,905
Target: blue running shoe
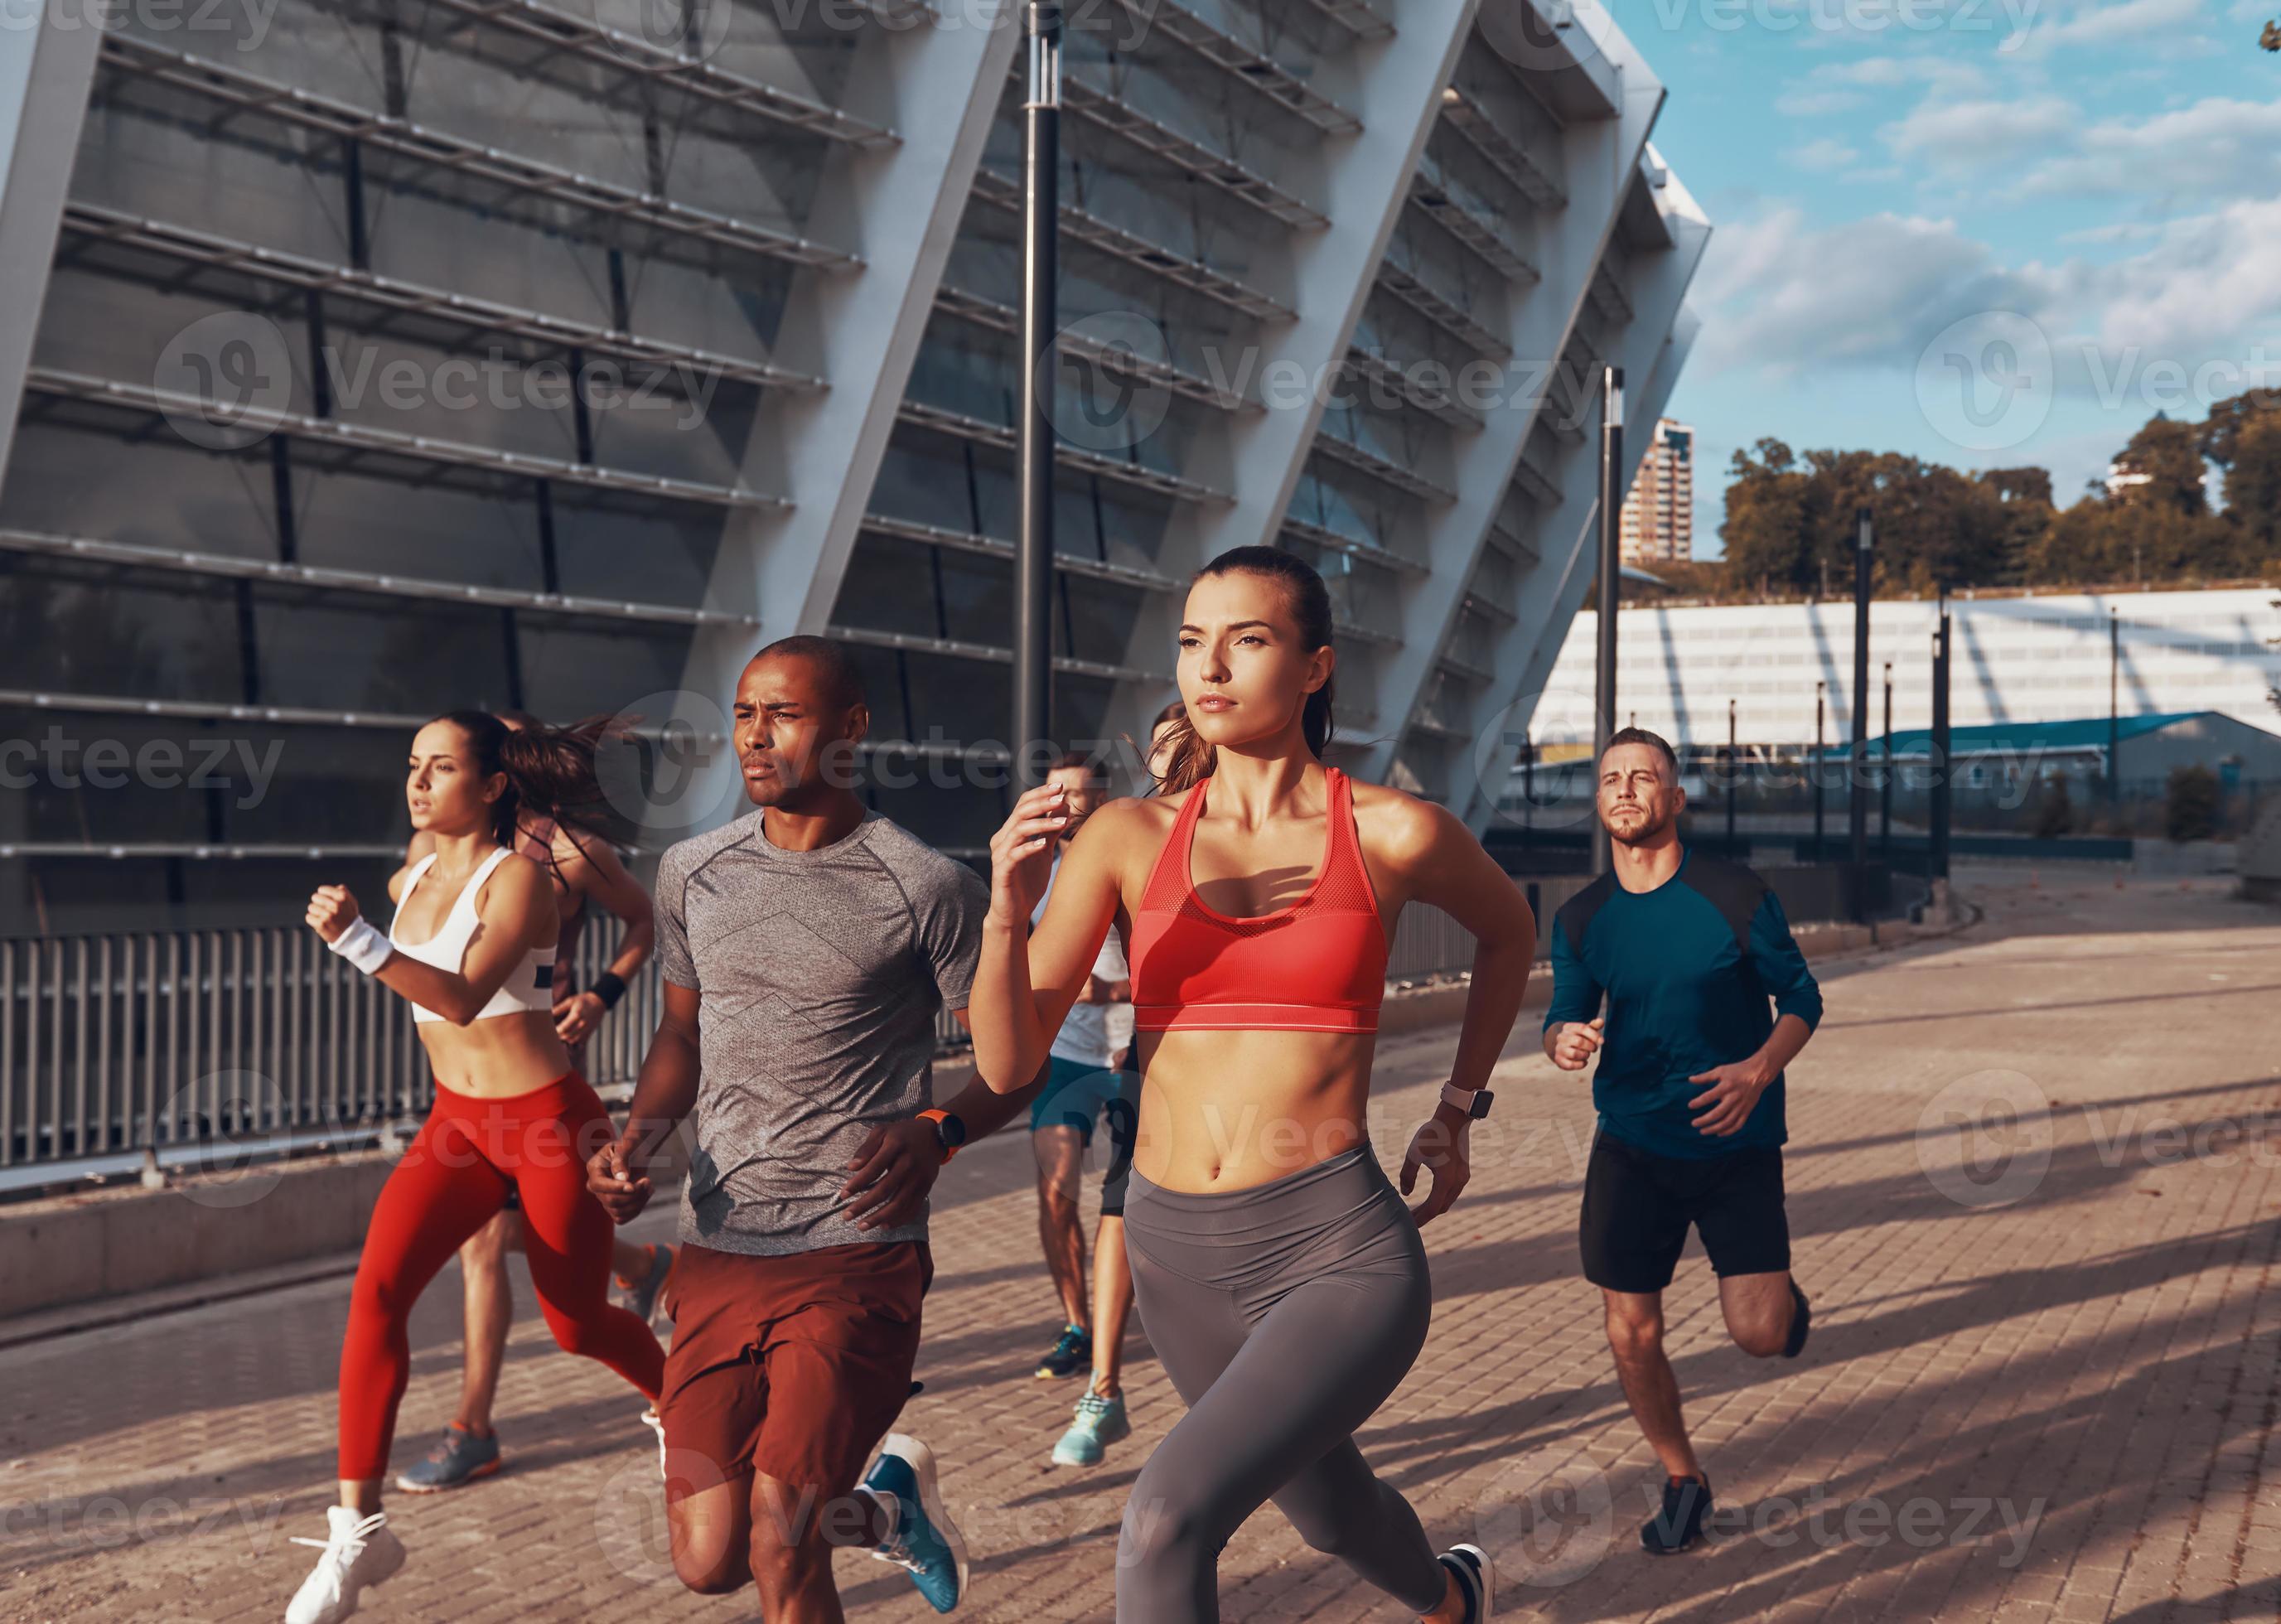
x,y
926,1542
1099,1422
1072,1353
459,1458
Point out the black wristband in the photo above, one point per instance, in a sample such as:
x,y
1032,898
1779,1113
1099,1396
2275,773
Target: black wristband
x,y
610,988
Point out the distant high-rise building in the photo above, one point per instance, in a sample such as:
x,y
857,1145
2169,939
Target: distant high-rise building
x,y
1658,519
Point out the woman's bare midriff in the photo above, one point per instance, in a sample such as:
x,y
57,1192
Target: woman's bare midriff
x,y
496,1058
1226,1110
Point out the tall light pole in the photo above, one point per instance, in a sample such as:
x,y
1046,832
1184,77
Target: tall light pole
x,y
1814,770
1936,832
1857,812
2114,706
1033,546
1611,564
1885,789
1731,776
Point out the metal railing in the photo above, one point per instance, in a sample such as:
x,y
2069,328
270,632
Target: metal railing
x,y
183,1048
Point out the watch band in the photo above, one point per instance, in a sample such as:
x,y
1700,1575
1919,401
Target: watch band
x,y
1474,1103
949,1132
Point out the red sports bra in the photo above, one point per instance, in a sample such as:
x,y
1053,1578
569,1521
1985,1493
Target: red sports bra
x,y
1317,965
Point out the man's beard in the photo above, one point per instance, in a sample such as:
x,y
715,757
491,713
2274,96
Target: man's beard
x,y
1645,831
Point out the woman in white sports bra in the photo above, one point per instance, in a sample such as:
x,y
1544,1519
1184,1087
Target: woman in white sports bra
x,y
472,949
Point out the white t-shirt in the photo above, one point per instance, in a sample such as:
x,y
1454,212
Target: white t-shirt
x,y
1094,1032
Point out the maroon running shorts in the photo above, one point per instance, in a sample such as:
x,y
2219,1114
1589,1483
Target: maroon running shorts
x,y
791,1366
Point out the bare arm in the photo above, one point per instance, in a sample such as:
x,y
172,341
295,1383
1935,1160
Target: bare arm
x,y
515,913
1026,981
598,875
1442,864
666,1093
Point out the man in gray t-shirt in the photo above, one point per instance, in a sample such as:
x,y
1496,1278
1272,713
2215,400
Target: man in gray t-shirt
x,y
818,975
806,951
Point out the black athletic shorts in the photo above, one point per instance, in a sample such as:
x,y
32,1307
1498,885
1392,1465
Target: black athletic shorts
x,y
1637,1206
1123,1117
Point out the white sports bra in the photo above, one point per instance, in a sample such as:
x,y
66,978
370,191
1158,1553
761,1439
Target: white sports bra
x,y
528,986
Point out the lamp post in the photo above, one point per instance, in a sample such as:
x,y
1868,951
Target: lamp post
x,y
1936,832
1612,563
2114,706
1885,789
1033,546
1857,809
1730,777
1813,767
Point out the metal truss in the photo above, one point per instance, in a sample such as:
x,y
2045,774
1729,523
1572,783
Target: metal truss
x,y
306,110
1112,112
973,307
231,566
351,442
183,245
1081,227
919,414
990,547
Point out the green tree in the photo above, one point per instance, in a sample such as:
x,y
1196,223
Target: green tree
x,y
2169,454
2190,809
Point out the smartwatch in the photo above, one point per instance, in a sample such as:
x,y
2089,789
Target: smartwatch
x,y
949,1131
1473,1102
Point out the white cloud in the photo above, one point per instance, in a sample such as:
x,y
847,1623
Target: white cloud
x,y
1973,134
2105,24
2216,147
1779,294
1821,156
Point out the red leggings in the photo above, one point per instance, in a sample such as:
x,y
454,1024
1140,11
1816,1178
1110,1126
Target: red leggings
x,y
454,1177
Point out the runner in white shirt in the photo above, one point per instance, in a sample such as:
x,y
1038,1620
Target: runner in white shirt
x,y
1081,1080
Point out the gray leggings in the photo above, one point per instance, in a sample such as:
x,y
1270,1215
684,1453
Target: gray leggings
x,y
1285,1314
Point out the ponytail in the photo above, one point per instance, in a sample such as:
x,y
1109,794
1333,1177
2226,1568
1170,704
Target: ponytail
x,y
549,770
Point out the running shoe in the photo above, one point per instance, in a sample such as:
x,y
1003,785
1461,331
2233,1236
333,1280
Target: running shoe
x,y
923,1542
642,1295
1476,1577
1072,1352
457,1460
358,1552
1099,1422
1686,1502
1801,1321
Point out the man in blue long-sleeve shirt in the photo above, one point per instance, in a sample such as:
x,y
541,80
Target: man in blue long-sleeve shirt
x,y
1689,953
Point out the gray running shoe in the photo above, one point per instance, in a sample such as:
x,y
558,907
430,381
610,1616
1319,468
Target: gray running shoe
x,y
641,1297
457,1460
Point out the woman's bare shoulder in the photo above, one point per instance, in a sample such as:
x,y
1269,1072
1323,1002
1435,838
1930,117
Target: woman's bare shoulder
x,y
1395,823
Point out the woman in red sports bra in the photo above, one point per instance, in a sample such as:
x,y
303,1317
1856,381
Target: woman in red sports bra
x,y
1280,1276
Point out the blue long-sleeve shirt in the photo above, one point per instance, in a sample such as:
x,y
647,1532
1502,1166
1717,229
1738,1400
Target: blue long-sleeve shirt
x,y
1689,971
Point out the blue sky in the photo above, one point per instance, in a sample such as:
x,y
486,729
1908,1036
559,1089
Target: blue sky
x,y
1988,232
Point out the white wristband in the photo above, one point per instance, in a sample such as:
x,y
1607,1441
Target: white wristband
x,y
363,946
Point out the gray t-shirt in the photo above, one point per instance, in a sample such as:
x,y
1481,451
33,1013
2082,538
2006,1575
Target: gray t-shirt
x,y
820,974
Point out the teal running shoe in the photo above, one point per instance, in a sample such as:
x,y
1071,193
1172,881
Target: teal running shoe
x,y
926,1542
459,1458
1099,1422
1069,1354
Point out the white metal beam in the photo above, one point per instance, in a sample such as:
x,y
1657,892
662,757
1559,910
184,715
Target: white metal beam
x,y
1598,163
47,69
1650,348
939,80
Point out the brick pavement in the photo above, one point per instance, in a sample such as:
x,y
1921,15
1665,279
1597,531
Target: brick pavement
x,y
2094,1360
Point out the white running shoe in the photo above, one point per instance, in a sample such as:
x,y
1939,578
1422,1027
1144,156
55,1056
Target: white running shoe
x,y
655,1422
360,1551
1476,1577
